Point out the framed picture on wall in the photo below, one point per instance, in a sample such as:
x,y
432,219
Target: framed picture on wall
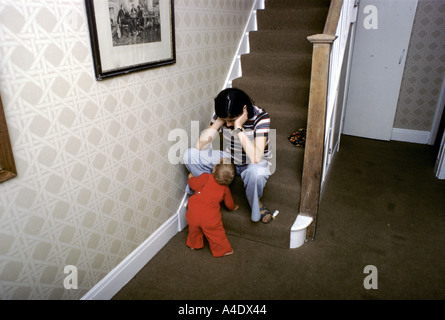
x,y
130,35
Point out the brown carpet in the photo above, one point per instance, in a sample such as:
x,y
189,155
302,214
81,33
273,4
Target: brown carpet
x,y
276,75
382,206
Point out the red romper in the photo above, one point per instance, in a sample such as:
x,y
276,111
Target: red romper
x,y
203,215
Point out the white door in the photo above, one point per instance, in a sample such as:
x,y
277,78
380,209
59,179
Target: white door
x,y
382,39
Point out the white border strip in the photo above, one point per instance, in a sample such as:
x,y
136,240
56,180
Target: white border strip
x,y
133,263
243,45
413,136
182,210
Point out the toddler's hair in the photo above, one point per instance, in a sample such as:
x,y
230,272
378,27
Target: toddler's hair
x,y
224,172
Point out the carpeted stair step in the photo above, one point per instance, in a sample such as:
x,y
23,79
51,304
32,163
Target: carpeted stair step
x,y
287,118
289,162
276,74
266,65
280,4
282,193
281,41
260,89
238,223
300,17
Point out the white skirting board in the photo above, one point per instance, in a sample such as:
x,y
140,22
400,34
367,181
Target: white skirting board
x,y
413,136
133,263
182,210
243,45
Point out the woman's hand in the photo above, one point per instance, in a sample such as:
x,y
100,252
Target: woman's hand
x,y
209,134
241,120
254,150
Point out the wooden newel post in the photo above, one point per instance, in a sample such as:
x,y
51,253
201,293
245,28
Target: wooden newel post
x,y
313,153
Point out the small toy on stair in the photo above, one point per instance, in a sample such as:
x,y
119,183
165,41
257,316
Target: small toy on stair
x,y
298,138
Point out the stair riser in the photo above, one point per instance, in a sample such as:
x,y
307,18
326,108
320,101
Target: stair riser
x,y
277,109
291,19
294,4
286,118
267,66
286,92
287,125
287,43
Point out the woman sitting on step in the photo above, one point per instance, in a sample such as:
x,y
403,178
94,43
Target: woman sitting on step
x,y
246,141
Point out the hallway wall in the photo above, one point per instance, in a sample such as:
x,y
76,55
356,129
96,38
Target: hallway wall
x,y
94,179
424,69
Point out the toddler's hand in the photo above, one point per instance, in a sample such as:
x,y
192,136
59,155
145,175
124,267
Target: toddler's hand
x,y
236,207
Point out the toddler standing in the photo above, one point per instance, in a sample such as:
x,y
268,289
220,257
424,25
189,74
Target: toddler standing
x,y
203,213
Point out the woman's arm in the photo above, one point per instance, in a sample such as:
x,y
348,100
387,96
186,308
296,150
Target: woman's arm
x,y
254,150
208,135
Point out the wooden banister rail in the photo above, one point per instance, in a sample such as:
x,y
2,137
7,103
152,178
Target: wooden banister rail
x,y
315,134
333,16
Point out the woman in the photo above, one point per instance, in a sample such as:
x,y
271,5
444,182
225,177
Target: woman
x,y
245,130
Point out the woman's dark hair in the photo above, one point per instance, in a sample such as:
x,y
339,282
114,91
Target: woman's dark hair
x,y
230,103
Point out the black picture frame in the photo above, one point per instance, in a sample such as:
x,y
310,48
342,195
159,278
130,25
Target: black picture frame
x,y
135,40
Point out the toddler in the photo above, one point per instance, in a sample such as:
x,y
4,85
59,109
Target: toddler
x,y
203,214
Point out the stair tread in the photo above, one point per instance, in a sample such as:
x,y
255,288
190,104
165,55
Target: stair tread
x,y
291,17
289,89
296,3
283,107
270,59
286,110
270,65
276,80
238,223
308,30
280,55
297,10
287,42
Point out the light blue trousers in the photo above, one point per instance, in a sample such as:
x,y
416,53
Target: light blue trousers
x,y
254,176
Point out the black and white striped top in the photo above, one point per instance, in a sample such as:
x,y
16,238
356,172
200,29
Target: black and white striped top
x,y
256,126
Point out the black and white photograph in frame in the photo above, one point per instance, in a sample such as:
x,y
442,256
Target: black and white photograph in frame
x,y
130,35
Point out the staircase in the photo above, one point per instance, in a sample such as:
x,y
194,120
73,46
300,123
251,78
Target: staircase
x,y
276,75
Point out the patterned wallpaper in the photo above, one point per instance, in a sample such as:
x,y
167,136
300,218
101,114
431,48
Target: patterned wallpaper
x,y
93,179
424,69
